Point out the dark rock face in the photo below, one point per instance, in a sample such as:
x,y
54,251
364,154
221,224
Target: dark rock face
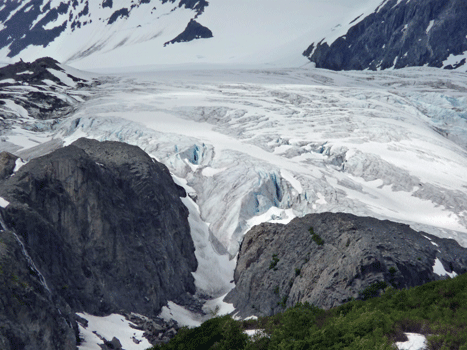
x,y
105,226
38,71
40,100
7,164
281,265
27,314
193,31
405,34
197,5
17,32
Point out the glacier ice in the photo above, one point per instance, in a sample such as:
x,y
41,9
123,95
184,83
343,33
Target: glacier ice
x,y
268,145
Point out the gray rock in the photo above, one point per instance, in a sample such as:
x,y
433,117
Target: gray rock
x,y
398,34
28,317
193,31
281,265
105,226
43,102
114,344
7,164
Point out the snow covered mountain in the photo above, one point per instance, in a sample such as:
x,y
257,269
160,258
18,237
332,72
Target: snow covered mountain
x,y
344,34
94,34
261,143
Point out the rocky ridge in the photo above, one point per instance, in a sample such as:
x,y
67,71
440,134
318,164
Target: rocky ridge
x,y
38,23
327,259
105,231
400,33
34,96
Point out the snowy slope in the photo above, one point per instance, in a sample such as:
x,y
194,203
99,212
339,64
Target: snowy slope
x,y
89,35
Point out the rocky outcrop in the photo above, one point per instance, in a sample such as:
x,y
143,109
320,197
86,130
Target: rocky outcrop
x,y
400,33
7,164
193,31
34,87
327,259
105,226
29,318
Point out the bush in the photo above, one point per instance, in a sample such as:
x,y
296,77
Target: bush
x,y
436,309
373,290
318,240
274,262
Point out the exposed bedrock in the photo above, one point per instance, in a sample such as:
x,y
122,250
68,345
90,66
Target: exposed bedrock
x,y
400,33
281,265
105,226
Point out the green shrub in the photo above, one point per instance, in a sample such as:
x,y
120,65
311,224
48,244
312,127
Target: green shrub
x,y
274,262
373,290
437,310
315,237
283,301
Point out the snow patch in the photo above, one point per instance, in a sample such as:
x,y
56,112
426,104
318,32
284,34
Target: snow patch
x,y
108,327
3,202
430,25
456,59
255,332
183,316
64,78
439,269
415,342
18,164
218,307
273,215
8,81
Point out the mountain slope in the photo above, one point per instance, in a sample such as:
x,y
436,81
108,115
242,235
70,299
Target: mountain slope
x,y
94,34
400,33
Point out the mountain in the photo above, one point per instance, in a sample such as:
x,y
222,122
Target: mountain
x,y
248,145
399,33
344,34
328,259
96,228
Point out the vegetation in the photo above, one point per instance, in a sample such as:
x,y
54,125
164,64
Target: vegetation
x,y
274,262
437,309
315,237
373,290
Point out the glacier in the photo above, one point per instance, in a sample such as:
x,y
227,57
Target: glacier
x,y
256,145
